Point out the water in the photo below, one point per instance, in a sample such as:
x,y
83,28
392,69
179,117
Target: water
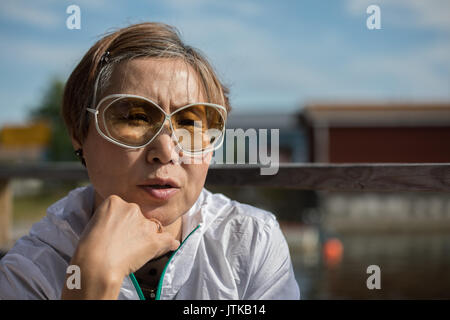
x,y
412,266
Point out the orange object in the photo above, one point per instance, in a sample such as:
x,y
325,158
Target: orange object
x,y
332,251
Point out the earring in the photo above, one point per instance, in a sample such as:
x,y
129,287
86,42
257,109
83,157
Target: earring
x,y
79,154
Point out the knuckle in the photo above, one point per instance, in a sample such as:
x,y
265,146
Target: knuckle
x,y
133,208
113,200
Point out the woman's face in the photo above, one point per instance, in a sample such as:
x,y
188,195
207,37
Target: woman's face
x,y
122,171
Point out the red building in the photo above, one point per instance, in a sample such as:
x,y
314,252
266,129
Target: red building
x,y
412,132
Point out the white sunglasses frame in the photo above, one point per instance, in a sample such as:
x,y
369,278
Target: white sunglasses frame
x,y
167,116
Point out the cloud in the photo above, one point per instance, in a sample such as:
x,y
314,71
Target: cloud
x,y
239,8
420,71
32,53
418,74
29,13
248,8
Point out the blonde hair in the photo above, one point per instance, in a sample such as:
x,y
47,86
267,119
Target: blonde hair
x,y
150,39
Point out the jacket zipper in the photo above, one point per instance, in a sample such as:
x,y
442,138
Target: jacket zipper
x,y
161,279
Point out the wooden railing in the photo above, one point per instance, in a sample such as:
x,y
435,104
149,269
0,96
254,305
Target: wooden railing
x,y
385,177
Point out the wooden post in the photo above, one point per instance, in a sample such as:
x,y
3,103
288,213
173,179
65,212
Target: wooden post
x,y
5,213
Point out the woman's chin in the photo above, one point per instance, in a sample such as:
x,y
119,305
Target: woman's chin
x,y
159,214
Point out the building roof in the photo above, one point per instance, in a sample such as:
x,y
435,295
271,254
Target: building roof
x,y
263,120
373,114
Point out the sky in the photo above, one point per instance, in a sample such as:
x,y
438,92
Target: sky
x,y
276,56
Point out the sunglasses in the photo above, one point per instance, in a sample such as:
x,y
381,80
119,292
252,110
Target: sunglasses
x,y
133,121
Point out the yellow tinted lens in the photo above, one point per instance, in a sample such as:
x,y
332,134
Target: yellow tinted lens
x,y
198,127
132,121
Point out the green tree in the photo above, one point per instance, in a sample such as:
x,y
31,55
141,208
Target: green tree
x,y
49,109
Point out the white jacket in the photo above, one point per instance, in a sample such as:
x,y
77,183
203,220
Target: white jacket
x,y
237,252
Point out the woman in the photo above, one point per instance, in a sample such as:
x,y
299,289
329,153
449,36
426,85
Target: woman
x,y
145,113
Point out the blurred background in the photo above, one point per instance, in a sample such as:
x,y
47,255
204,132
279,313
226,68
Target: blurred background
x,y
338,91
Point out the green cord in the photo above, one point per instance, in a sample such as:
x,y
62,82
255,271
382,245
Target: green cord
x,y
137,287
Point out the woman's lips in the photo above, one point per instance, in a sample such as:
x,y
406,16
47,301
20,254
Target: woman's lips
x,y
160,192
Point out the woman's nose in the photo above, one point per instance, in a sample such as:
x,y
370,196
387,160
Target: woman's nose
x,y
163,148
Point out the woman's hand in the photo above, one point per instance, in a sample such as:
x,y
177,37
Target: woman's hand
x,y
117,240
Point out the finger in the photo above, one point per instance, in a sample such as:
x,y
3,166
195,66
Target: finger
x,y
175,244
168,242
156,224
